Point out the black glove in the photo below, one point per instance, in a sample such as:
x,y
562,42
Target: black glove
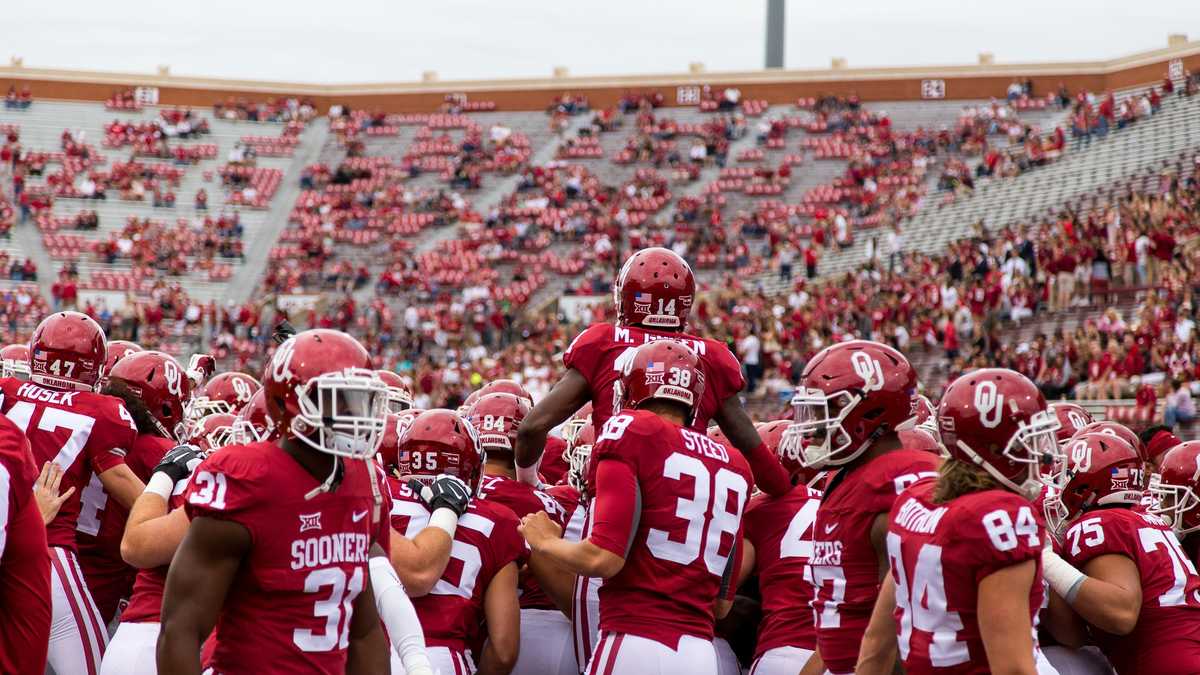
x,y
283,331
179,463
448,492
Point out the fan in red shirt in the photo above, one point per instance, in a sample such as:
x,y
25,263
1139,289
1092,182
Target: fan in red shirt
x,y
654,294
1122,571
853,398
24,565
84,433
281,531
666,522
155,391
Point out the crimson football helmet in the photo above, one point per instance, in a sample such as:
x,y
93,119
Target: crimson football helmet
x,y
118,349
394,427
1177,490
440,442
579,420
14,361
850,394
663,369
399,396
212,432
253,424
224,393
996,419
920,437
160,382
1072,418
1100,469
1116,429
322,391
505,386
578,454
782,439
67,351
655,289
496,418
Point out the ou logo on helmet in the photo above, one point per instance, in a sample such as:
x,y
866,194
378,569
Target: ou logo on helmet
x,y
173,377
1081,456
989,402
241,390
281,364
868,369
1077,420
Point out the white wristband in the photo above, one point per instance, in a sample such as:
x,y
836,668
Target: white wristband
x,y
529,475
444,519
161,485
1061,575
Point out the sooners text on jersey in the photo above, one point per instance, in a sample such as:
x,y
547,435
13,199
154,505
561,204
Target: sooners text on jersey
x,y
296,588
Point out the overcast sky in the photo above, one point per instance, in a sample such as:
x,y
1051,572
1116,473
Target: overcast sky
x,y
379,41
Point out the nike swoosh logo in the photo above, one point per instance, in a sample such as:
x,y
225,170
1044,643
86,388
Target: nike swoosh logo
x,y
830,528
358,515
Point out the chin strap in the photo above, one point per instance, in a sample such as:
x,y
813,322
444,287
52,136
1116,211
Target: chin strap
x,y
331,483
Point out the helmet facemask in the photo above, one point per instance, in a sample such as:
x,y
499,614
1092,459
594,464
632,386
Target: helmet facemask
x,y
1034,445
202,406
819,418
342,413
398,400
578,457
1173,502
16,369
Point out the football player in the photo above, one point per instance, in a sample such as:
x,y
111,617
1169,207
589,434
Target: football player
x,y
546,645
156,392
1122,571
1072,418
399,396
223,393
965,548
281,531
853,398
84,432
653,294
117,349
666,522
25,609
481,586
1178,494
777,546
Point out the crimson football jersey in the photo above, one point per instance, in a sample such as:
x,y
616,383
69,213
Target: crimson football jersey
x,y
145,601
1166,639
939,553
296,587
844,566
523,500
689,494
485,540
601,352
81,431
780,528
102,524
24,559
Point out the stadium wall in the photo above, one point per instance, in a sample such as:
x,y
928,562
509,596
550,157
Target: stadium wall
x,y
776,86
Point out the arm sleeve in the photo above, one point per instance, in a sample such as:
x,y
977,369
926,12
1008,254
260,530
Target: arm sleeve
x,y
581,353
727,371
616,504
113,443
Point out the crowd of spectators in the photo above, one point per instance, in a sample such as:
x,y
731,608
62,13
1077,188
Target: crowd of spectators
x,y
18,100
282,109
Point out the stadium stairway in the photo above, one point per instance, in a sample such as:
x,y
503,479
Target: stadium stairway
x,y
1084,169
246,277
